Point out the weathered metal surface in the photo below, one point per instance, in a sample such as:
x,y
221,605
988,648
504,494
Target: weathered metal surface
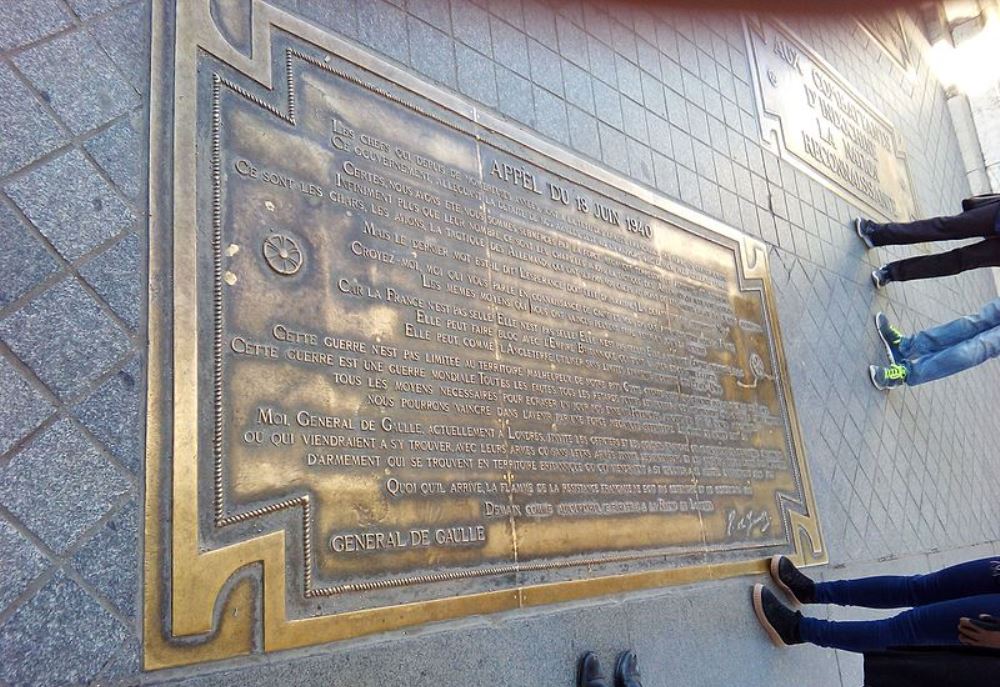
x,y
813,118
424,364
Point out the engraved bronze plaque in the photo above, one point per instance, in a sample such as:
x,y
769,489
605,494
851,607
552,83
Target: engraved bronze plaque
x,y
810,116
409,362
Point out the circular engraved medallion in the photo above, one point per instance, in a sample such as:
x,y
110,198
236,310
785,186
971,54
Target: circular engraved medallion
x,y
282,254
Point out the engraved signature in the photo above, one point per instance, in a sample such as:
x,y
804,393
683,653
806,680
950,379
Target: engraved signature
x,y
751,522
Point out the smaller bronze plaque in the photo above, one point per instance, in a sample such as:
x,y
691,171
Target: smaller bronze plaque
x,y
814,119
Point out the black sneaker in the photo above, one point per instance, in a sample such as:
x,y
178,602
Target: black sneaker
x,y
891,338
881,276
780,622
588,672
865,228
797,586
627,670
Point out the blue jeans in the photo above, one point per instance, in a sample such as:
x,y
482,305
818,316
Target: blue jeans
x,y
952,347
938,601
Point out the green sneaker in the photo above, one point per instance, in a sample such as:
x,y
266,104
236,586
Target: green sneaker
x,y
885,378
891,338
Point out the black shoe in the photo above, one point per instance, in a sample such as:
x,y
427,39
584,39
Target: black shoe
x,y
797,586
627,670
891,338
588,673
780,622
881,277
865,228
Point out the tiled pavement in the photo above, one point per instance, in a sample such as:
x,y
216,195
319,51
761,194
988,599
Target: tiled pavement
x,y
905,481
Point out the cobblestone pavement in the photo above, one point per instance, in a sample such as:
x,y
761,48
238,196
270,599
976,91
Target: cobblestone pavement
x,y
905,481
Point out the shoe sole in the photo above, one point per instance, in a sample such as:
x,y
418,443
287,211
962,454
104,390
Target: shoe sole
x,y
781,585
885,342
758,609
879,284
857,230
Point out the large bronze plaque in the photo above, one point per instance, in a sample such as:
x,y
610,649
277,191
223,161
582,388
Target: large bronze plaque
x,y
410,362
813,118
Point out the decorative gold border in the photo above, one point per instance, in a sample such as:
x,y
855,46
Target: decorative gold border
x,y
196,606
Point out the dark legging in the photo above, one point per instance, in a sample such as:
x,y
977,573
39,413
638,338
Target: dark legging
x,y
977,223
938,601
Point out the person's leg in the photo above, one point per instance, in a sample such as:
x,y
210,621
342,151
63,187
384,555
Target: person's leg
x,y
972,578
983,254
955,359
979,222
943,336
932,625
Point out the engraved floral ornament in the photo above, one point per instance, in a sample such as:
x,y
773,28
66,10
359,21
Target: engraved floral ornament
x,y
282,254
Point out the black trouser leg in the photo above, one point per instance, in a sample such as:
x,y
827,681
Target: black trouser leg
x,y
976,223
983,254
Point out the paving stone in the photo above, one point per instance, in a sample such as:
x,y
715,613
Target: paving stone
x,y
515,96
510,47
652,95
64,337
431,11
540,23
608,104
26,261
85,9
578,86
78,80
113,413
29,131
22,408
472,26
602,61
68,201
476,75
59,485
550,115
640,162
61,628
110,561
613,147
545,67
340,16
431,52
26,21
124,37
383,27
665,174
573,44
22,563
509,11
119,150
634,120
583,132
113,274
